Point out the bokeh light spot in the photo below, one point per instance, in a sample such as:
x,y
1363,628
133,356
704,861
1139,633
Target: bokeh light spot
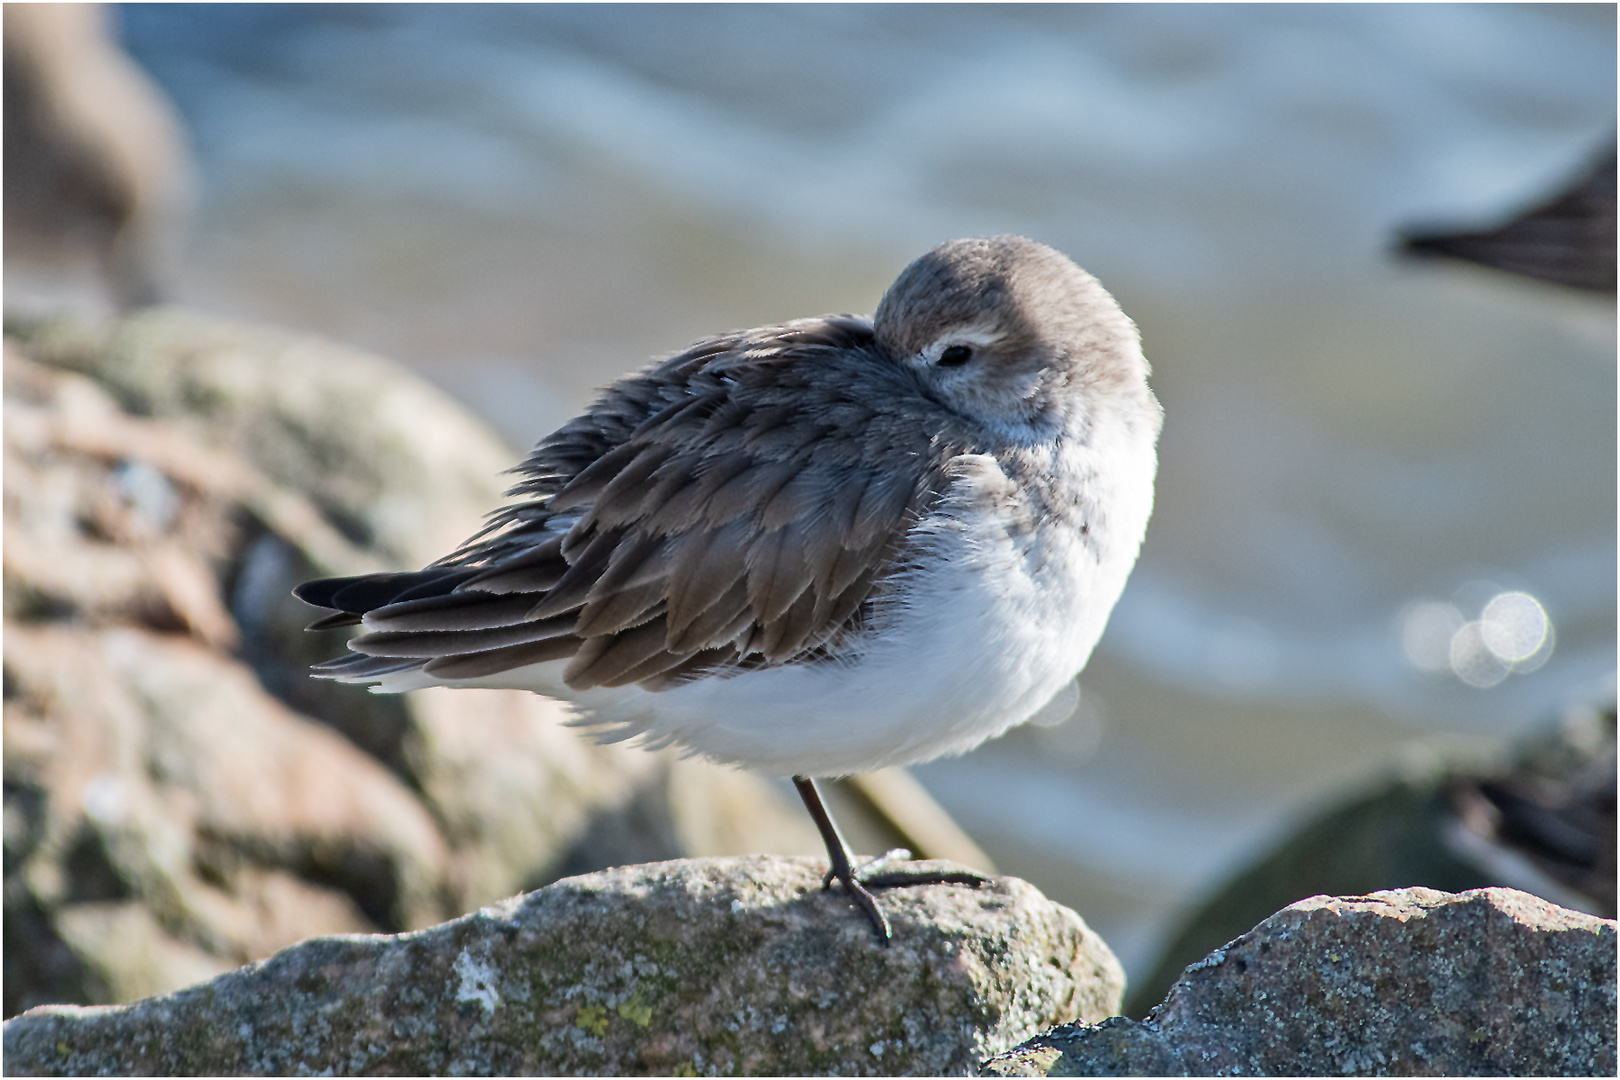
x,y
1426,629
1512,635
1514,626
1472,661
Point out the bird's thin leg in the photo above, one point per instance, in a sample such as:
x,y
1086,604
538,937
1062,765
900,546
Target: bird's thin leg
x,y
838,853
843,869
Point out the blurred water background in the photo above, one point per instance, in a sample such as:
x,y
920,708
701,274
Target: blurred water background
x,y
1386,516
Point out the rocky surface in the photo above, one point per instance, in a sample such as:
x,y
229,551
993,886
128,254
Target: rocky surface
x,y
1541,819
700,967
1409,982
180,798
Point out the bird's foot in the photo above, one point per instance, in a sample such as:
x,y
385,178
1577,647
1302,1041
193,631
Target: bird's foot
x,y
877,874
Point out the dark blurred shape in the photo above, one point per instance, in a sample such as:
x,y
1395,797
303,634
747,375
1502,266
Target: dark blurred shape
x,y
1544,823
1527,825
96,164
1568,239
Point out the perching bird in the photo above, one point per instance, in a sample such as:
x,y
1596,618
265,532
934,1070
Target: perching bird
x,y
812,549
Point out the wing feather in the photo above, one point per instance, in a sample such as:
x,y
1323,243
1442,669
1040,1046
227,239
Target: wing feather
x,y
883,506
494,661
620,500
335,621
778,571
840,609
739,505
788,633
794,500
663,670
540,546
590,481
641,559
457,611
722,623
435,643
606,664
706,568
847,567
525,580
574,587
360,666
623,609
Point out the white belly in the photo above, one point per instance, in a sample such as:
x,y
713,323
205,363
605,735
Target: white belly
x,y
1000,616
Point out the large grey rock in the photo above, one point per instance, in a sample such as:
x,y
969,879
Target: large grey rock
x,y
1410,982
700,967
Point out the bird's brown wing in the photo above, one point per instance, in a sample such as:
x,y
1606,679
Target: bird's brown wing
x,y
733,506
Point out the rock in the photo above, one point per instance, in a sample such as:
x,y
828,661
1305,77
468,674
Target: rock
x,y
165,779
1493,982
1541,820
402,472
699,967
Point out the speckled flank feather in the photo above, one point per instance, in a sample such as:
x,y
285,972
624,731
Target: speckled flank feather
x,y
790,546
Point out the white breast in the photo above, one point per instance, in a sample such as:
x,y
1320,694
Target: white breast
x,y
999,615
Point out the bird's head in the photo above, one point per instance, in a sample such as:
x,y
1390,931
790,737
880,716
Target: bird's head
x,y
1011,333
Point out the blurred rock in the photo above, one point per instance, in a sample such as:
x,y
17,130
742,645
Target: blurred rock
x,y
1550,832
179,796
97,168
166,779
1408,983
701,967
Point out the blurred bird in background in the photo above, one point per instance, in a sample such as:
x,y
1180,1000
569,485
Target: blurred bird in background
x,y
97,167
1568,239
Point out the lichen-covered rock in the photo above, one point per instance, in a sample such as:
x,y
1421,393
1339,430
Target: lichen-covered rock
x,y
1410,982
699,967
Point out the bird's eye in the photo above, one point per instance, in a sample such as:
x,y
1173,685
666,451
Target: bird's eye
x,y
955,356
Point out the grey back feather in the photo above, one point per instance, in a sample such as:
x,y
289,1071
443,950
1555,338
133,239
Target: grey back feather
x,y
739,505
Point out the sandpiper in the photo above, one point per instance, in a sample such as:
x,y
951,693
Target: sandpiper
x,y
812,549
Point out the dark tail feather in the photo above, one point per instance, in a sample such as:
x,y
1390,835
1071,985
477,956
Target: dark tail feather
x,y
360,666
358,595
335,621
